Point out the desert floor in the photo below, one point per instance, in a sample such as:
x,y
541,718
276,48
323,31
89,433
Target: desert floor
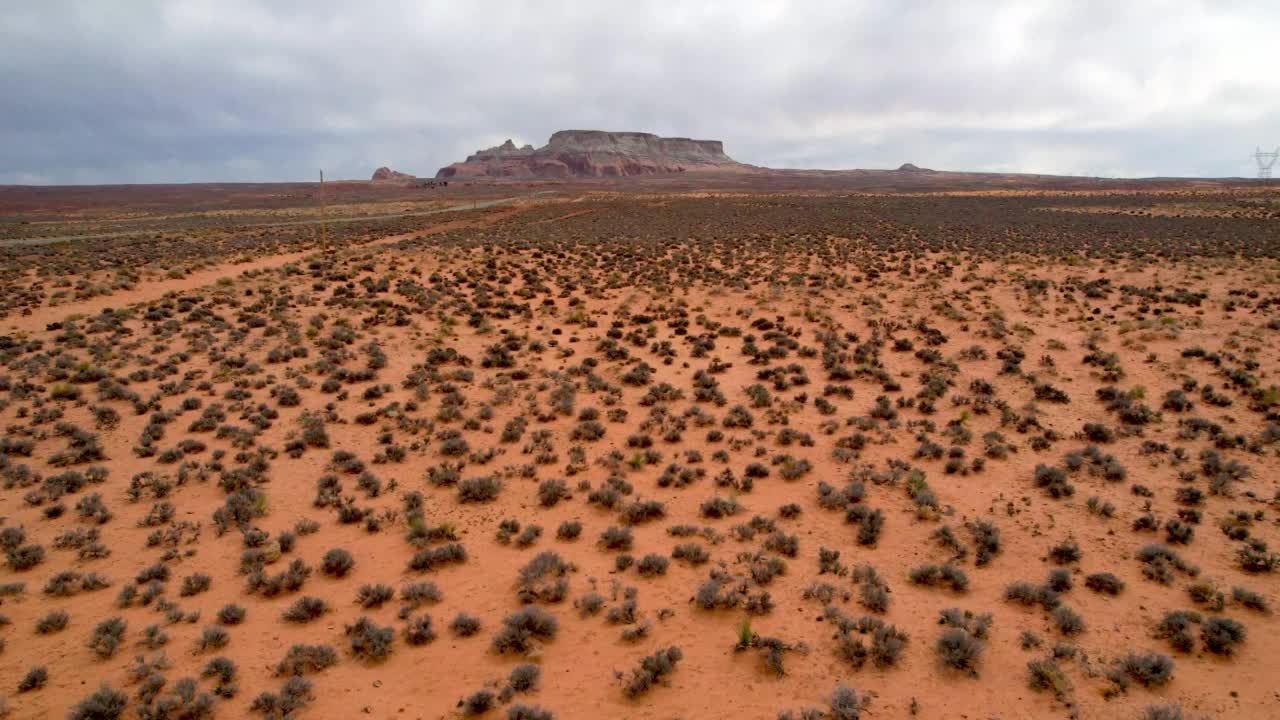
x,y
970,455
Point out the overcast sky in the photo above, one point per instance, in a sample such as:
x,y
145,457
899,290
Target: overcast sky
x,y
241,90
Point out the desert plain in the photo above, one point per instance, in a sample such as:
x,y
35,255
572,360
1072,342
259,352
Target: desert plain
x,y
641,449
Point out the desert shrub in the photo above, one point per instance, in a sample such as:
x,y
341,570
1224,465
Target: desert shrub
x,y
445,475
1046,675
1159,561
783,544
960,645
454,445
1049,393
35,679
158,571
92,508
1162,712
569,530
642,511
1104,582
506,529
1100,507
1054,481
738,417
221,668
107,636
25,557
421,593
529,712
544,578
481,489
1254,558
306,527
1178,532
522,628
887,645
1098,433
551,492
465,625
305,609
304,659
589,604
524,678
1068,621
960,650
337,563
291,580
231,614
373,596
1189,495
986,541
106,703
195,584
294,695
369,641
1028,594
55,621
653,669
652,565
529,536
1059,580
1146,521
1176,628
692,553
429,559
212,638
617,538
720,507
1221,635
946,575
1149,670
153,637
846,705
1250,599
419,631
1065,553
874,597
12,537
479,702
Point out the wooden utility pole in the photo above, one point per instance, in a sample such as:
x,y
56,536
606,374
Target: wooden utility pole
x,y
324,216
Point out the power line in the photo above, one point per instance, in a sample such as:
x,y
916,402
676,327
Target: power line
x,y
1265,160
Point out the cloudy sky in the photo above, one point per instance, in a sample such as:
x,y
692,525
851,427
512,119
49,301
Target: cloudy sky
x,y
239,90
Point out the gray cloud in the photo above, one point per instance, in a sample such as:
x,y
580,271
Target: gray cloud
x,y
191,90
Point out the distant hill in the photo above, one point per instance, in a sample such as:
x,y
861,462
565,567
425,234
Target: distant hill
x,y
387,174
596,153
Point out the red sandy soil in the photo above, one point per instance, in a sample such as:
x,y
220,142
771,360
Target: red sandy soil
x,y
828,281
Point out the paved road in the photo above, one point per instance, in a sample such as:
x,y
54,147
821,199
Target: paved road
x,y
316,221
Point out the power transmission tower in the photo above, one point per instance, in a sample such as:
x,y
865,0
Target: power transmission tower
x,y
1265,160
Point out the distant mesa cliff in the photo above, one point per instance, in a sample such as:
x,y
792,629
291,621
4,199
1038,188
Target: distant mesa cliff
x,y
596,153
386,173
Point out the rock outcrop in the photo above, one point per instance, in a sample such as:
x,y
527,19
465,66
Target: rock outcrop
x,y
386,173
595,153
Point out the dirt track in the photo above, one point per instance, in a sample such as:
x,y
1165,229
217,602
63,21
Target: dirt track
x,y
147,292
